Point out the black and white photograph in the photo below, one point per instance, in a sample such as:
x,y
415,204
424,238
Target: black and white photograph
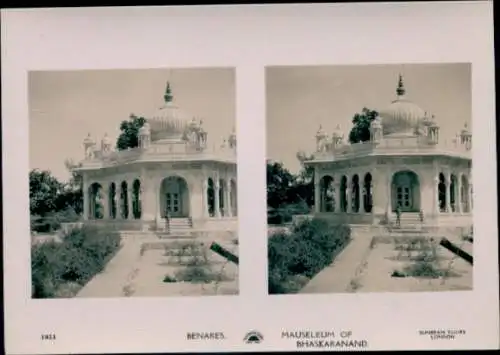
x,y
370,189
249,178
133,183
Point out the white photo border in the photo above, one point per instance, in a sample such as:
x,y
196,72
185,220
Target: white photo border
x,y
248,38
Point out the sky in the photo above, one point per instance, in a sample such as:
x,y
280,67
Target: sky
x,y
299,99
67,105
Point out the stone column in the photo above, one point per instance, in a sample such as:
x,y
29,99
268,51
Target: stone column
x,y
317,193
459,196
105,202
388,191
217,198
435,198
118,209
469,196
336,186
378,192
205,197
448,192
227,204
148,200
86,199
130,189
349,195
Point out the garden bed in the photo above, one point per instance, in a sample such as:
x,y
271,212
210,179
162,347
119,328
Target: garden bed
x,y
59,269
190,269
415,264
297,255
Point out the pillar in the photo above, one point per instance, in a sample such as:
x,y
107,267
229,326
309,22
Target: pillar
x,y
435,199
157,202
217,197
349,195
459,196
86,199
130,189
118,206
470,196
448,190
317,193
227,204
205,197
147,199
105,205
336,186
379,192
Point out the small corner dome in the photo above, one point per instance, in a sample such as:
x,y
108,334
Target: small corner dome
x,y
106,140
88,140
402,115
145,129
169,121
376,123
337,132
465,131
321,132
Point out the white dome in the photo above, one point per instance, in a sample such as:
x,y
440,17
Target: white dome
x,y
169,121
402,115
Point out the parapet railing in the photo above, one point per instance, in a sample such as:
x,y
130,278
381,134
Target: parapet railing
x,y
409,146
163,152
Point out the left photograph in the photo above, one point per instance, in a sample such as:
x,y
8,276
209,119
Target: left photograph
x,y
133,183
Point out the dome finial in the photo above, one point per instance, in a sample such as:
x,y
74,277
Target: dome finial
x,y
401,88
168,93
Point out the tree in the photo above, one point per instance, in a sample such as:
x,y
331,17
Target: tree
x,y
360,131
303,187
72,195
279,183
45,192
129,136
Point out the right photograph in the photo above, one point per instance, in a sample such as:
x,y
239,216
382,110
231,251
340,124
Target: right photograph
x,y
369,178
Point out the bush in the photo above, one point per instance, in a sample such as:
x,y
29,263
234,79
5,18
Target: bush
x,y
199,274
83,253
311,246
285,213
52,221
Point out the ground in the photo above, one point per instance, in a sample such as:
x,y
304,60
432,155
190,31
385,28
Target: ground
x,y
380,264
141,265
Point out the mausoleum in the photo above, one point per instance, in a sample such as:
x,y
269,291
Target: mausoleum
x,y
406,162
175,171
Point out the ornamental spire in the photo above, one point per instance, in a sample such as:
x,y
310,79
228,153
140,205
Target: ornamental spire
x,y
400,91
168,93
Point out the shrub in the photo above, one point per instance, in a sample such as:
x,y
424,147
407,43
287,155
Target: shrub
x,y
311,246
199,274
279,216
83,253
51,222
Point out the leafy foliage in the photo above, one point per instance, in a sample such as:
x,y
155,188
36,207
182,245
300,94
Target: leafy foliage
x,y
53,202
360,131
129,136
83,253
293,258
45,191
